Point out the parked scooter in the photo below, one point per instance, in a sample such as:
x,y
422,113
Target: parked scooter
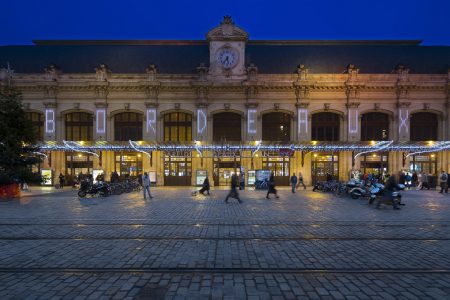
x,y
86,188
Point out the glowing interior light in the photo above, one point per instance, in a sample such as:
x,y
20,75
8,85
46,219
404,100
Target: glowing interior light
x,y
101,120
251,121
302,121
201,121
151,120
49,120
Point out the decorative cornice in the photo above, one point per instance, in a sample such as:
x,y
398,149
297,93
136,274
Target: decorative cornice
x,y
50,104
101,104
151,104
303,105
351,105
403,104
251,105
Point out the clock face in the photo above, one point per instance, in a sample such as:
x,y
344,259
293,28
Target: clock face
x,y
227,57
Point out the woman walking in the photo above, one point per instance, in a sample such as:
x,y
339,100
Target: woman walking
x,y
146,185
272,189
233,191
300,181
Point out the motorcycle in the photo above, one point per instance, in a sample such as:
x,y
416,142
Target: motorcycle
x,y
86,188
393,197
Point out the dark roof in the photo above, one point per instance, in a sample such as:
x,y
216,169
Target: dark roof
x,y
276,58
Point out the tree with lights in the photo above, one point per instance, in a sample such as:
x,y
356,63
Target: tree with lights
x,y
16,131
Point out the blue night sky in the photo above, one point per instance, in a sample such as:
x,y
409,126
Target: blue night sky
x,y
22,21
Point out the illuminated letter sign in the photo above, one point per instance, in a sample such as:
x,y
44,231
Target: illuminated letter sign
x,y
151,120
403,115
49,120
201,121
101,121
302,121
352,121
251,121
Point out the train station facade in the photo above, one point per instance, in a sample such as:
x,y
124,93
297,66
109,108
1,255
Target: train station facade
x,y
185,109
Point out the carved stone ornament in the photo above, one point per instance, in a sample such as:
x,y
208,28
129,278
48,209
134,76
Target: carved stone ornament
x,y
351,105
227,31
251,91
76,105
276,106
252,72
151,71
50,104
151,104
426,106
126,106
102,105
226,106
52,72
352,72
403,104
26,106
102,72
303,105
50,91
202,71
101,91
326,106
402,72
352,92
302,72
301,92
376,106
176,105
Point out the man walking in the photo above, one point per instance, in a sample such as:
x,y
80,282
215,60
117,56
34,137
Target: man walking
x,y
146,185
293,182
61,180
443,181
233,192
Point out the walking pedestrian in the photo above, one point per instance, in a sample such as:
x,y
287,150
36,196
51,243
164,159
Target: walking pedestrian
x,y
300,180
61,180
272,189
233,191
425,183
443,181
205,186
448,183
241,181
146,185
293,182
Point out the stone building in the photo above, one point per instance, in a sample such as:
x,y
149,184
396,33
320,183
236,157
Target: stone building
x,y
179,109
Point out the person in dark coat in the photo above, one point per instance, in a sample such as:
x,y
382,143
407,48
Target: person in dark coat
x,y
300,181
61,180
415,179
233,191
293,182
329,177
390,187
205,187
272,189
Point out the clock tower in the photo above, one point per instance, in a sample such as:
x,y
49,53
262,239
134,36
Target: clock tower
x,y
227,50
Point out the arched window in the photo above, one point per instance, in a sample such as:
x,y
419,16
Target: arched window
x,y
423,127
226,126
374,126
276,127
325,126
79,126
177,127
128,126
37,120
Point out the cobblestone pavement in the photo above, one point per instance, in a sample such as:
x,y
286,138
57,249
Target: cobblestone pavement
x,y
303,245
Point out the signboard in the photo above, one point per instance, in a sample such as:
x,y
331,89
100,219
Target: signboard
x,y
48,175
251,177
261,179
152,176
286,152
200,177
